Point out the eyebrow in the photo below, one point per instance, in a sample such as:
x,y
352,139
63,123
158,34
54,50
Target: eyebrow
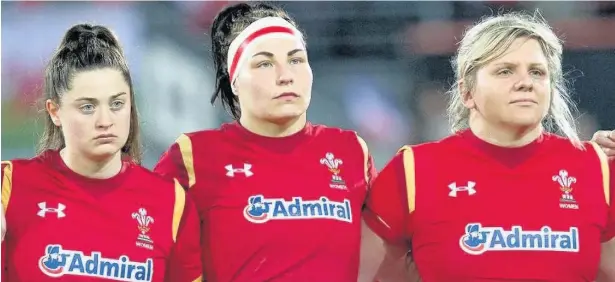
x,y
270,55
515,64
89,99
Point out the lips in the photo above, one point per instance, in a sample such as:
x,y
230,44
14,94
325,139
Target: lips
x,y
287,95
105,136
524,101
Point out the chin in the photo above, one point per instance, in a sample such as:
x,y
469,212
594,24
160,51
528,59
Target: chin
x,y
104,151
525,122
526,117
287,114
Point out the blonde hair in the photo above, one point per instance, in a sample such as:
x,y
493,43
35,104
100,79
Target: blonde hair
x,y
487,41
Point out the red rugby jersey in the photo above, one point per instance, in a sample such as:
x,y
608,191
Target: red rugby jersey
x,y
135,226
275,209
477,212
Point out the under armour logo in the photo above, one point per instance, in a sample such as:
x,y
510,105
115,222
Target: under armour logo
x,y
246,170
59,211
454,188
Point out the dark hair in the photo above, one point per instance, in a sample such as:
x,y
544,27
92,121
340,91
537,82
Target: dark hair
x,y
226,26
86,47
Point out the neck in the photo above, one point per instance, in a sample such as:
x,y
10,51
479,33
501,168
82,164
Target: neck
x,y
97,169
504,136
273,129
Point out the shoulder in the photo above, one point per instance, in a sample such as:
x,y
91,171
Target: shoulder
x,y
336,134
186,143
206,135
37,163
321,129
346,138
150,179
449,143
559,144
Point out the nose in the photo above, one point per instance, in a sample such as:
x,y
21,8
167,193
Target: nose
x,y
105,119
525,83
285,75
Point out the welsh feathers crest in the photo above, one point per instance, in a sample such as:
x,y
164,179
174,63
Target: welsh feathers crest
x,y
565,181
332,163
334,167
143,219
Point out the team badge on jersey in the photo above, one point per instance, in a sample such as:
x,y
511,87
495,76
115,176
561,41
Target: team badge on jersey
x,y
478,239
144,221
334,167
566,201
261,209
57,262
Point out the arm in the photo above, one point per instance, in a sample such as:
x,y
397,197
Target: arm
x,y
607,262
388,212
184,263
178,162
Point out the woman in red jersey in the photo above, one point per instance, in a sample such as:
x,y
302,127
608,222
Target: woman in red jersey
x,y
502,199
84,209
280,199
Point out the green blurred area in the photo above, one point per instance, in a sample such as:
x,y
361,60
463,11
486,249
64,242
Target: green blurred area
x,y
21,127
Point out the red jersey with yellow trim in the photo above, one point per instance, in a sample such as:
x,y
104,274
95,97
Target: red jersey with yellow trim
x,y
275,209
477,212
135,226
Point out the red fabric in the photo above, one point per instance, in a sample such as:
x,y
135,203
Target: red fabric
x,y
58,226
386,210
609,232
171,165
516,191
244,183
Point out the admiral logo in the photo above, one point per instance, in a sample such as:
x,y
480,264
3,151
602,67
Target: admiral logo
x,y
57,262
479,239
261,210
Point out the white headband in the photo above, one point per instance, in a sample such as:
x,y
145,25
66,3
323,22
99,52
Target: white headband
x,y
265,28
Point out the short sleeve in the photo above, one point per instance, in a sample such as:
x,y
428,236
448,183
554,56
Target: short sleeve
x,y
178,162
370,169
609,232
184,263
7,185
390,200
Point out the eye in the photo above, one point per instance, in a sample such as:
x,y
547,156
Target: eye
x,y
264,64
117,104
87,108
504,72
295,61
537,73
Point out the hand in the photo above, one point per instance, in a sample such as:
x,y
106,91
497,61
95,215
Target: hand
x,y
606,140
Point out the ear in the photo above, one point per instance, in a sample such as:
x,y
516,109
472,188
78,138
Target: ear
x,y
53,110
466,95
234,88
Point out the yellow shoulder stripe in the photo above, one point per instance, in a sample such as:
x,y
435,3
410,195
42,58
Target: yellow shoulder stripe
x,y
198,279
7,184
604,166
178,208
410,176
365,158
185,147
